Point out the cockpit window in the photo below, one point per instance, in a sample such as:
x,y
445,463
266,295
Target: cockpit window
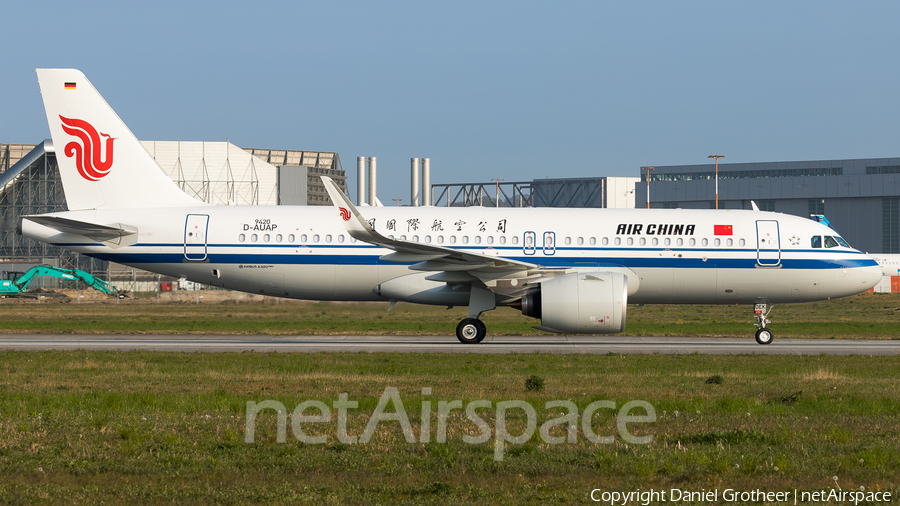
x,y
841,241
817,241
830,242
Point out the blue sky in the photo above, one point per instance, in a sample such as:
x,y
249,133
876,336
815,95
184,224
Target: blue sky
x,y
518,90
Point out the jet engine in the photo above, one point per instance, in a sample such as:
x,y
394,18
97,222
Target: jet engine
x,y
582,303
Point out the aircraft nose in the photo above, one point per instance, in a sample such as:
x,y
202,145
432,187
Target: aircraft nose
x,y
869,276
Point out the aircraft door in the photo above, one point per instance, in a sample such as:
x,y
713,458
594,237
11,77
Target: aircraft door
x,y
549,243
195,229
528,243
768,246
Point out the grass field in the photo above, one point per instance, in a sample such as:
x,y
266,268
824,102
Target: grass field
x,y
152,427
872,316
99,427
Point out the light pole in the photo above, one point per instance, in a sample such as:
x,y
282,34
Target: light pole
x,y
648,184
717,176
498,179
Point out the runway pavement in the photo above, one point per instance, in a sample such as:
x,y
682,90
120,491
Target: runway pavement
x,y
448,344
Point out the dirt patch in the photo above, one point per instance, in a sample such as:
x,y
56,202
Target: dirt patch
x,y
177,297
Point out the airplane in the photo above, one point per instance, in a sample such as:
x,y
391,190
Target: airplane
x,y
890,263
574,269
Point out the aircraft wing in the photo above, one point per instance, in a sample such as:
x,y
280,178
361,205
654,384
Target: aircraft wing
x,y
426,257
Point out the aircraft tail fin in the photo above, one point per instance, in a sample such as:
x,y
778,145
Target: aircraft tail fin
x,y
101,163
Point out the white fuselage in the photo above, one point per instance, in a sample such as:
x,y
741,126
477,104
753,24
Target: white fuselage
x,y
304,252
890,263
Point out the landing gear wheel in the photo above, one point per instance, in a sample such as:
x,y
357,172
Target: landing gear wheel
x,y
471,331
764,336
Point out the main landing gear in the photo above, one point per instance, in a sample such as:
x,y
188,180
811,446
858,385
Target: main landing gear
x,y
471,331
763,335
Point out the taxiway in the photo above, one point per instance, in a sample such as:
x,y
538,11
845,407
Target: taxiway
x,y
448,344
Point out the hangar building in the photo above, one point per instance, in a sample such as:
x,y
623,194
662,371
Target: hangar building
x,y
214,172
860,197
607,192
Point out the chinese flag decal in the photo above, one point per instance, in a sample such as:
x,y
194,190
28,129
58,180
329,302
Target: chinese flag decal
x,y
723,230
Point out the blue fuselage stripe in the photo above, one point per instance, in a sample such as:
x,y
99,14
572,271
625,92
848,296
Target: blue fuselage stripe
x,y
547,261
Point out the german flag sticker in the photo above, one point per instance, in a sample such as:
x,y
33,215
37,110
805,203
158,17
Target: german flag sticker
x,y
70,86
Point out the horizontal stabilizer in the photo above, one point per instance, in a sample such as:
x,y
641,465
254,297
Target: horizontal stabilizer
x,y
104,233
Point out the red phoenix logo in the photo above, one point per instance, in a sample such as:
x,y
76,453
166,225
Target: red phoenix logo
x,y
345,214
87,152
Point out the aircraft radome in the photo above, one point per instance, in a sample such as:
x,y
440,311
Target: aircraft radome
x,y
574,269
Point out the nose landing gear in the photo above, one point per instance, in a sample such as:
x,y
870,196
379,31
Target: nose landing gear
x,y
763,335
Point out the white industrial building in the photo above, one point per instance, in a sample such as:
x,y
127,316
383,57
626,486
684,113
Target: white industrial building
x,y
215,172
604,192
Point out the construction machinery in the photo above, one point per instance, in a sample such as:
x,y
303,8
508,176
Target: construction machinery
x,y
18,282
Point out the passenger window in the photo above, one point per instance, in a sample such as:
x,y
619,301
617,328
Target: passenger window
x,y
465,239
291,238
440,239
630,241
477,239
428,238
490,239
593,241
693,241
452,239
704,242
502,239
315,238
729,242
718,242
303,238
643,241
679,242
742,242
254,238
568,241
605,241
830,242
515,239
668,241
242,238
817,241
618,241
278,238
580,241
340,238
328,238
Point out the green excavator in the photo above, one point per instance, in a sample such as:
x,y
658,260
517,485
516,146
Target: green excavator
x,y
18,284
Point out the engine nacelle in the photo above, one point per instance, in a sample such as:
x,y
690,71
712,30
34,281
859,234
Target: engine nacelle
x,y
582,303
